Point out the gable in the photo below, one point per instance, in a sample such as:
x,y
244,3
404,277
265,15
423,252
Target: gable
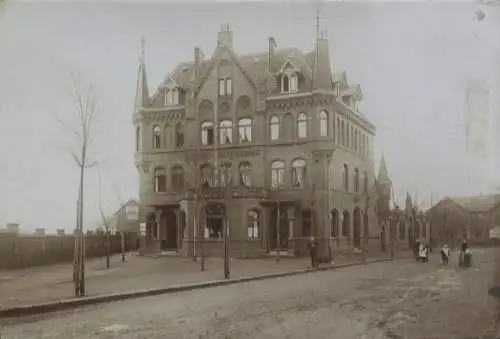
x,y
220,54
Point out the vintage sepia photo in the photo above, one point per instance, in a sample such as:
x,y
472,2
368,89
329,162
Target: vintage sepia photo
x,y
249,169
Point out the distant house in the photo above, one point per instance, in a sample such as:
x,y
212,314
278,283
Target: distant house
x,y
473,217
129,216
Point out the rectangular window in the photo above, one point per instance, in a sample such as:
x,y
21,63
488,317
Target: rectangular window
x,y
222,87
277,177
229,86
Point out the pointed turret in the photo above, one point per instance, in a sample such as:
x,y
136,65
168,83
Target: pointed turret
x,y
142,93
322,73
383,174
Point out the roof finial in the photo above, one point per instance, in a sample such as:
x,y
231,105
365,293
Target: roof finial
x,y
143,47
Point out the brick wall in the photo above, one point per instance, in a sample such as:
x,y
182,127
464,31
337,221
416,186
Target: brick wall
x,y
25,251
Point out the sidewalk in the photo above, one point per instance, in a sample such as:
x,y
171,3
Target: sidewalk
x,y
51,283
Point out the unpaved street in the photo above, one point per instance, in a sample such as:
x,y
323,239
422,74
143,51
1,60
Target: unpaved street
x,y
400,299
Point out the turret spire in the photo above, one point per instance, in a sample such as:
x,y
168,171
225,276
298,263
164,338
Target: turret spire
x,y
322,73
142,93
383,174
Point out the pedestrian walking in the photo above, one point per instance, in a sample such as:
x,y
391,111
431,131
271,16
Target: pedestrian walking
x,y
313,250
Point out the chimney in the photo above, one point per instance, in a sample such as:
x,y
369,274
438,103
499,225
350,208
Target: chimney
x,y
272,52
61,232
225,36
198,59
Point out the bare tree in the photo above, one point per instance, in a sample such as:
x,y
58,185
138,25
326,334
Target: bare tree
x,y
195,181
79,125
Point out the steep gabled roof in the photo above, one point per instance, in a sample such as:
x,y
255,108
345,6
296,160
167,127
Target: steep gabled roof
x,y
479,203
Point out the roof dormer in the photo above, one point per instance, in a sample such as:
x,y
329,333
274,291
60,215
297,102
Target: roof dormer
x,y
171,92
289,77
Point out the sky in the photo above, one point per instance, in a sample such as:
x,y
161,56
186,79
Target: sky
x,y
412,60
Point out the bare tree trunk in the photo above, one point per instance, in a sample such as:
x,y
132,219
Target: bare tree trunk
x,y
108,248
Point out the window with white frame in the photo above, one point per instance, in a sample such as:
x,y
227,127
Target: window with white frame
x,y
226,174
171,96
160,180
225,87
302,125
298,173
274,128
285,83
277,173
207,133
229,86
156,137
294,83
253,224
245,130
207,175
245,174
323,123
226,132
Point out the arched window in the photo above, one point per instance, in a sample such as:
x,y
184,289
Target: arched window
x,y
253,224
160,180
177,177
365,183
156,137
351,142
245,174
138,139
356,180
302,125
179,136
298,173
274,128
226,174
343,134
169,96
285,84
245,130
323,123
356,135
175,96
207,175
339,132
345,177
207,133
226,132
277,173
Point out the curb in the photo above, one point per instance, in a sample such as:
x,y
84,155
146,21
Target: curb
x,y
52,306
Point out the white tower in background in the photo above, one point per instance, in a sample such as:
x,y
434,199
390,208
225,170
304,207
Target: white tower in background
x,y
478,136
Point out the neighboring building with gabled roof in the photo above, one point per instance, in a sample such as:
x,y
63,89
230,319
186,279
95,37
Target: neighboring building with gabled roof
x,y
257,136
472,217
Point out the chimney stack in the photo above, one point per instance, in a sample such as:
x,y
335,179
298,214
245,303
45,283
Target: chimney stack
x,y
272,52
225,36
198,59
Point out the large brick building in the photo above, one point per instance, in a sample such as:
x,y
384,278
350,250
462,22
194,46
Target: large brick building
x,y
257,136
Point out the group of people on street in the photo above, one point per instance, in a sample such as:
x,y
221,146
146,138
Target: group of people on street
x,y
421,252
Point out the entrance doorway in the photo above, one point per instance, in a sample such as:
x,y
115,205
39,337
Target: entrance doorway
x,y
168,231
283,230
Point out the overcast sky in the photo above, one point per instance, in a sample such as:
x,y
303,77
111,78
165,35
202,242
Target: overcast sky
x,y
411,59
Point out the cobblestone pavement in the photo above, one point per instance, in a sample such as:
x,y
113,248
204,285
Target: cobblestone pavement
x,y
400,299
42,284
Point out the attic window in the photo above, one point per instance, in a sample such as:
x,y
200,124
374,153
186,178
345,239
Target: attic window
x,y
171,96
289,83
